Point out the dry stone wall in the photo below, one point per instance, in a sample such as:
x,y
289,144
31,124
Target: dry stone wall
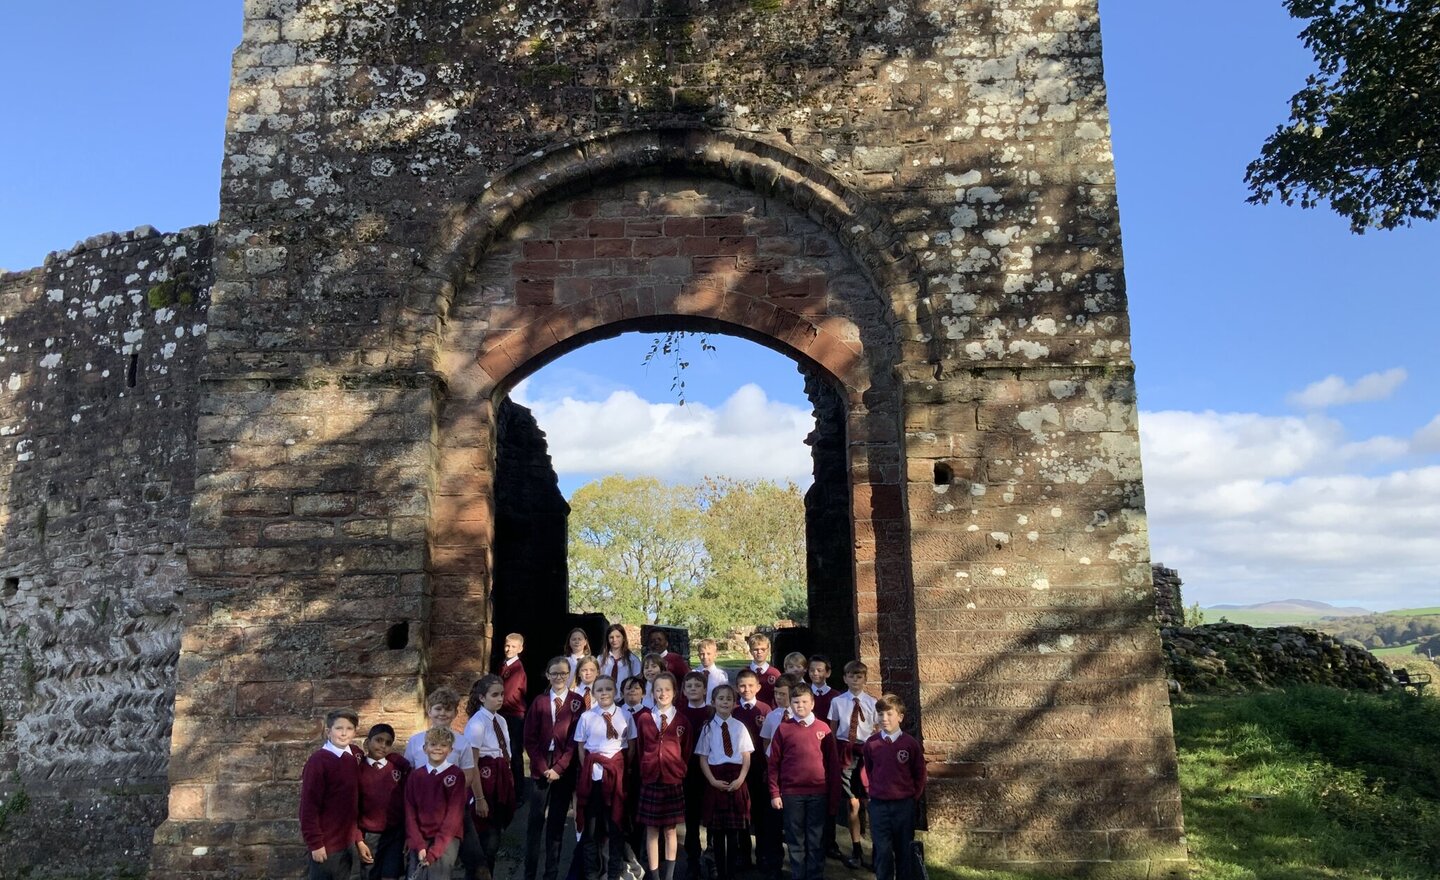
x,y
100,351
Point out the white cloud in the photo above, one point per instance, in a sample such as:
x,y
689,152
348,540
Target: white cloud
x,y
1251,507
748,436
1335,391
1427,439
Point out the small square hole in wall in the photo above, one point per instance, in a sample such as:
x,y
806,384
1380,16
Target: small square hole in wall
x,y
944,475
12,586
397,637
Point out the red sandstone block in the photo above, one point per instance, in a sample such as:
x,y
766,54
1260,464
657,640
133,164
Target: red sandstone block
x,y
679,227
642,228
610,227
654,247
576,249
731,225
187,802
534,292
584,208
538,250
613,247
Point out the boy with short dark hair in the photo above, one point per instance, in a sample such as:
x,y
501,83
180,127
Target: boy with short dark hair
x,y
382,803
435,798
659,643
804,777
852,717
751,712
896,767
330,801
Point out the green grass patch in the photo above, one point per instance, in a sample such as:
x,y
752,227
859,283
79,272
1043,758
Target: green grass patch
x,y
1262,618
1397,651
1311,782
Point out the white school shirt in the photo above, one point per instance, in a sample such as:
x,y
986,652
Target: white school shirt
x,y
839,719
590,733
480,732
711,741
335,750
772,723
620,669
460,755
668,714
714,677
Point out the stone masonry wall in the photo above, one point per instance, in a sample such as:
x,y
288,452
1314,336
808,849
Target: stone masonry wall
x,y
1169,606
100,351
372,307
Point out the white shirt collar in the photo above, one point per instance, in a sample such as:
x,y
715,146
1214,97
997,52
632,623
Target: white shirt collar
x,y
334,749
378,765
820,689
749,705
435,771
807,720
759,667
511,660
560,696
891,737
667,714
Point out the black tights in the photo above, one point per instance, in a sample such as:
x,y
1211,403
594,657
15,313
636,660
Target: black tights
x,y
727,851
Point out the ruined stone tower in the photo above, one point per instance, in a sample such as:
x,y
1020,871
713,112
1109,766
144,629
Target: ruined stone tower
x,y
423,202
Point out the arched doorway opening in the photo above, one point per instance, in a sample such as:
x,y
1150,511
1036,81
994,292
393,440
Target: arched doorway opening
x,y
673,249
742,493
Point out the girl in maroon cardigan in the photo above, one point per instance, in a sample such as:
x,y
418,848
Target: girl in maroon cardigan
x,y
665,740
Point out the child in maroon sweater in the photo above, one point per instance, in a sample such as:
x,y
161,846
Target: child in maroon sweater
x,y
804,776
665,740
896,767
694,686
382,803
517,686
549,728
435,798
330,801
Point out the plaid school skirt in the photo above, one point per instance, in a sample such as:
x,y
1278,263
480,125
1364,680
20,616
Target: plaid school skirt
x,y
726,810
661,804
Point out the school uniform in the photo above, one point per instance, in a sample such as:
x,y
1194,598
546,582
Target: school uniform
x,y
695,786
600,788
714,677
574,661
768,675
722,745
459,755
549,726
620,669
824,696
896,767
772,723
382,812
515,682
753,716
586,700
434,809
804,773
330,809
635,834
490,740
665,740
675,664
853,720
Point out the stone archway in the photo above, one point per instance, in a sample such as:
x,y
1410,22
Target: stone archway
x,y
673,250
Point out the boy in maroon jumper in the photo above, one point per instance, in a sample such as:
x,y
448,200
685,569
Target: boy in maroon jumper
x,y
549,729
659,643
330,801
435,797
695,687
750,711
896,767
382,803
512,676
759,645
804,776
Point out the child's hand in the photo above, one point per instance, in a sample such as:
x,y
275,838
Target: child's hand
x,y
482,809
318,855
421,856
777,803
734,785
364,850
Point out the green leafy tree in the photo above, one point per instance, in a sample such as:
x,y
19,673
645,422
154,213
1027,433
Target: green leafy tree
x,y
1364,133
754,534
635,548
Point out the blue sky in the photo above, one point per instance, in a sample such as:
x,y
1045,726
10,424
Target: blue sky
x,y
1291,446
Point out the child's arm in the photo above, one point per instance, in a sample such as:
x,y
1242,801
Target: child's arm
x,y
744,771
918,771
831,753
776,751
534,749
312,804
452,825
414,840
477,788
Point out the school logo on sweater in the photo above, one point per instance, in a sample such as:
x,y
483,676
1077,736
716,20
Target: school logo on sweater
x,y
449,781
485,773
902,756
395,774
574,705
819,734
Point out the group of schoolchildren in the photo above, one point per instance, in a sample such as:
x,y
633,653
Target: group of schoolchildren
x,y
637,746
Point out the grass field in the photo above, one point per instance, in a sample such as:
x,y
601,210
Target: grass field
x,y
1305,784
1261,618
1397,651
